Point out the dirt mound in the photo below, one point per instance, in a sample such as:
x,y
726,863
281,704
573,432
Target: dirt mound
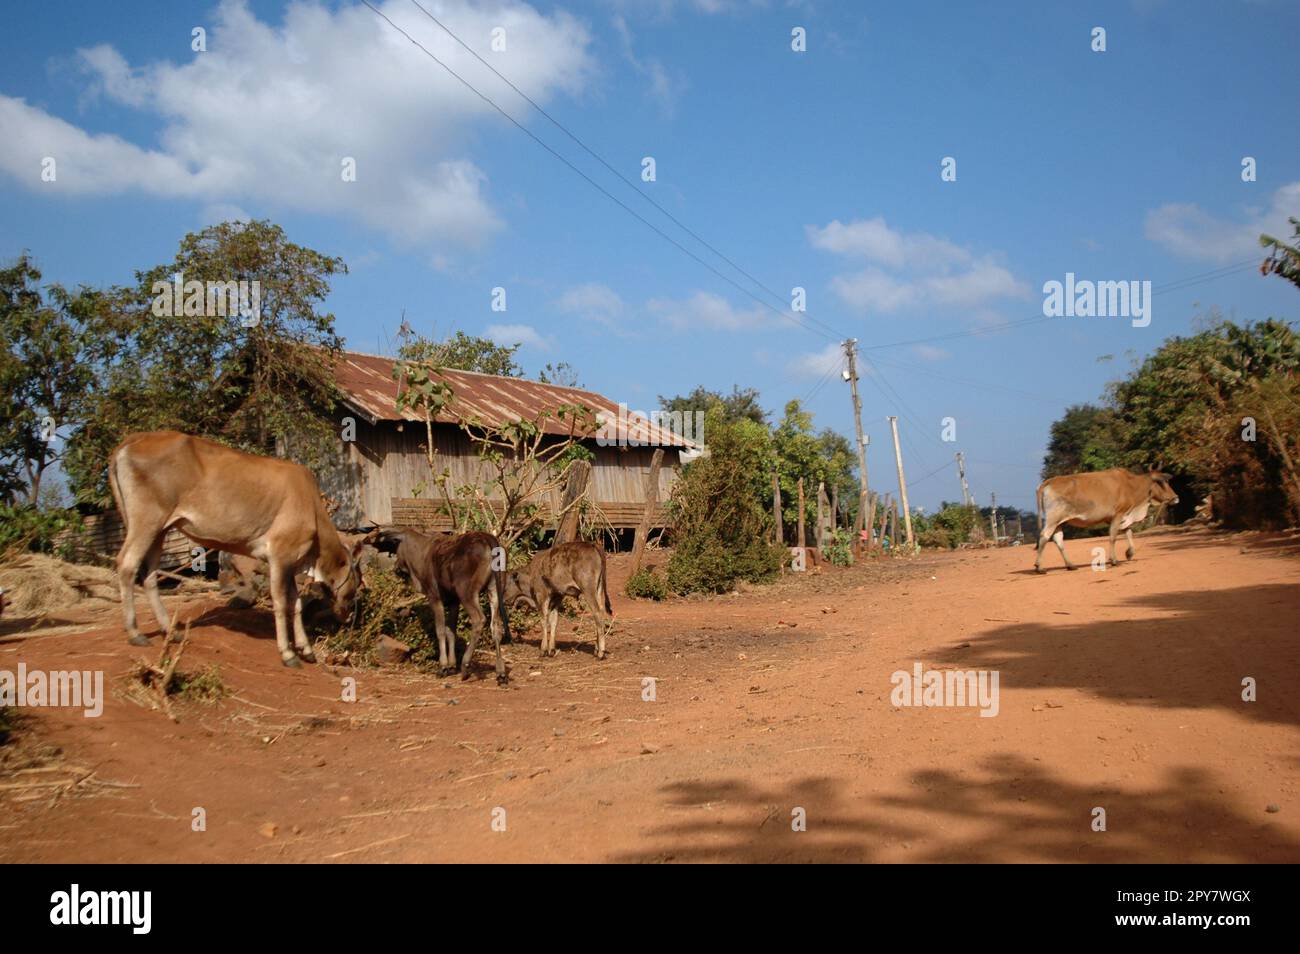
x,y
36,584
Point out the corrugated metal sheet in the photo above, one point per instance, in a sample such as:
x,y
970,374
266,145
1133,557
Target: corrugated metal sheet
x,y
367,383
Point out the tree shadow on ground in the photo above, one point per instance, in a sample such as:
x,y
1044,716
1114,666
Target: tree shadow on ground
x,y
1194,657
1007,809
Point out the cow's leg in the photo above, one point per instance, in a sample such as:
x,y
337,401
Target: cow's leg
x,y
1044,535
1114,532
497,625
553,620
439,625
151,562
284,592
476,620
1059,539
135,551
301,644
602,621
1128,535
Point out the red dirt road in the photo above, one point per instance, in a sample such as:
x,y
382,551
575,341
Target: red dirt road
x,y
1119,690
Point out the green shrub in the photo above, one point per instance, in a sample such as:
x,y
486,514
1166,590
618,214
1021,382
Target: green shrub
x,y
840,548
936,537
29,528
722,528
646,584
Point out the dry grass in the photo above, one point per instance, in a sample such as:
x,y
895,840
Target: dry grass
x,y
36,584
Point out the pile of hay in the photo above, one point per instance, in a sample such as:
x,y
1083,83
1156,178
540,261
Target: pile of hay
x,y
35,584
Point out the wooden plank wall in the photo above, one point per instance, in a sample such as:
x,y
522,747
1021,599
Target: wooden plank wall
x,y
103,535
384,464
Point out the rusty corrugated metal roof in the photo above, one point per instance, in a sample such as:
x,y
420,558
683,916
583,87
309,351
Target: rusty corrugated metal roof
x,y
367,383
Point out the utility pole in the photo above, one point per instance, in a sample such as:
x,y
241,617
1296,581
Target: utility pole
x,y
993,518
961,471
850,351
902,483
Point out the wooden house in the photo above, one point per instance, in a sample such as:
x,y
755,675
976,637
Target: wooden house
x,y
384,475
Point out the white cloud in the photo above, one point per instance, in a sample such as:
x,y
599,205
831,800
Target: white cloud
x,y
1188,230
929,352
904,270
518,334
594,302
664,86
818,363
706,310
269,113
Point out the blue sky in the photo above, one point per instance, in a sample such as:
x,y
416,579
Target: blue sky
x,y
818,169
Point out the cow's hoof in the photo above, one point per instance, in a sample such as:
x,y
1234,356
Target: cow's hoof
x,y
464,674
306,655
291,663
177,637
138,640
1071,566
1039,570
503,679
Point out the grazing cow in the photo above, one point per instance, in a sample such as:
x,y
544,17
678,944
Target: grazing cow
x,y
569,569
451,572
225,499
1084,500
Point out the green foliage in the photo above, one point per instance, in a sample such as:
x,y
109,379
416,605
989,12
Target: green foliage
x,y
647,583
1185,408
464,353
387,608
265,387
561,373
46,374
203,685
825,458
27,528
721,527
1083,440
840,548
739,405
1283,259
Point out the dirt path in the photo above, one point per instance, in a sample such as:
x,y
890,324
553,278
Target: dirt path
x,y
1119,690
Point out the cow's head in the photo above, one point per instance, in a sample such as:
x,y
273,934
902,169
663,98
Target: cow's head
x,y
346,587
1161,492
517,593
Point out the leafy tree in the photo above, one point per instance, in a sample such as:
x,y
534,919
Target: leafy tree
x,y
262,381
721,528
1283,259
561,373
1083,440
817,458
464,353
44,373
740,404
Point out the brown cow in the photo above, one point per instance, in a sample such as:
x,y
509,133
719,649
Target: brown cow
x,y
451,572
1115,496
569,569
225,499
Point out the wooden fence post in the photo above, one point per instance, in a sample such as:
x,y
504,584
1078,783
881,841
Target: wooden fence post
x,y
802,540
651,509
574,488
776,510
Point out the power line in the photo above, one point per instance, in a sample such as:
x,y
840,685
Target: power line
x,y
596,185
601,159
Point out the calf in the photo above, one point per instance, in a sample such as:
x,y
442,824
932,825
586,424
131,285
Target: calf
x,y
1112,496
569,569
451,572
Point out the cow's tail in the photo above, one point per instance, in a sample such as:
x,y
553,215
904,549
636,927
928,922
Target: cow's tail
x,y
604,588
1042,513
116,488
